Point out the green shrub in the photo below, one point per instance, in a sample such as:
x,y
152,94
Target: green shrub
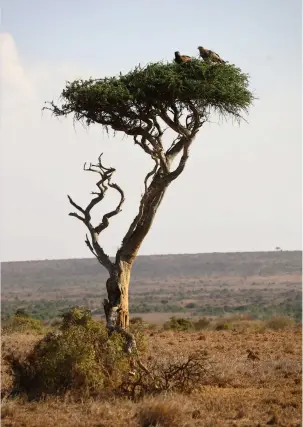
x,y
18,323
279,322
80,357
178,324
77,316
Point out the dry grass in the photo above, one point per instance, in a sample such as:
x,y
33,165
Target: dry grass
x,y
15,343
167,412
246,391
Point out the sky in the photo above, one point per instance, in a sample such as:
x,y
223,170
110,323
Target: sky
x,y
242,187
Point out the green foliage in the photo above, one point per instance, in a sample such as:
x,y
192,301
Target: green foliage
x,y
19,323
80,357
38,309
182,324
178,324
77,316
52,309
122,102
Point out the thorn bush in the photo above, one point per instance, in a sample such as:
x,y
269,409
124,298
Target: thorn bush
x,y
80,357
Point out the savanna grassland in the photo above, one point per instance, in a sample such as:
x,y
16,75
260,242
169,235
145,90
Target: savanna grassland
x,y
254,379
230,356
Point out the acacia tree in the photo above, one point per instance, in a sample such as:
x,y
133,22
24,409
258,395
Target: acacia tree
x,y
143,104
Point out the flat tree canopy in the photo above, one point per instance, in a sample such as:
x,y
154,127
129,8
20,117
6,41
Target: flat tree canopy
x,y
123,102
143,104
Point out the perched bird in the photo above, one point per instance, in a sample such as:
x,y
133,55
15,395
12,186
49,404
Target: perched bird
x,y
180,59
209,55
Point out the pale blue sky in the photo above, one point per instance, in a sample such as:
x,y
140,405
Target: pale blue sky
x,y
249,178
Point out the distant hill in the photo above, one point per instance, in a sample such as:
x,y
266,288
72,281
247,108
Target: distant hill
x,y
202,280
153,266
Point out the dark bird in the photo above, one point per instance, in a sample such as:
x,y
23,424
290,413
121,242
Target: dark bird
x,y
181,59
209,55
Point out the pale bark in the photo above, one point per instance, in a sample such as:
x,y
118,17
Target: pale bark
x,y
116,306
117,285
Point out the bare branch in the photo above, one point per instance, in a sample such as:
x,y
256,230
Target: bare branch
x,y
75,205
157,150
174,123
77,216
103,184
176,148
158,127
143,145
196,120
105,220
151,173
88,243
173,175
176,112
193,123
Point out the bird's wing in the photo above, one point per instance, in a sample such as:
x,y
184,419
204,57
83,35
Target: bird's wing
x,y
211,52
219,57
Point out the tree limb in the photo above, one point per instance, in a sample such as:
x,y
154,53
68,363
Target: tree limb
x,y
90,247
103,184
149,204
154,192
176,148
173,123
193,123
143,204
77,216
75,205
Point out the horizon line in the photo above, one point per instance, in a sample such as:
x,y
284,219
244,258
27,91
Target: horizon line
x,y
160,254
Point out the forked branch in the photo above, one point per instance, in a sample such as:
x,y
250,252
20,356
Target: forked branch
x,y
84,215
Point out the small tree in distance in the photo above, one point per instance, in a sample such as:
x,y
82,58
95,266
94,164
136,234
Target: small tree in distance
x,y
143,104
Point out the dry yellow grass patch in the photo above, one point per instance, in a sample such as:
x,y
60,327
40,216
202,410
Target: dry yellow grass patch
x,y
244,391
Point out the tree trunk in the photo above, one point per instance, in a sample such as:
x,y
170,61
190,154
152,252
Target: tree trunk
x,y
123,315
116,306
